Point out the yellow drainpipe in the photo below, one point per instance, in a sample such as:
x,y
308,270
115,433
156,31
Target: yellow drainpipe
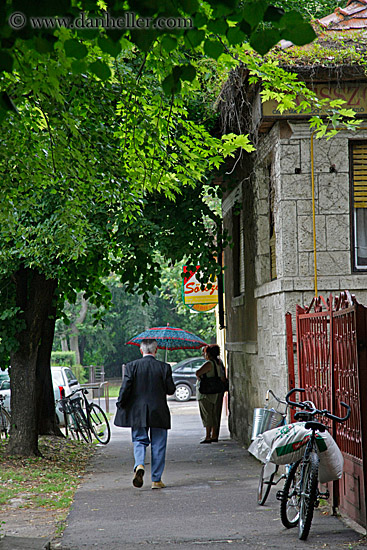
x,y
313,215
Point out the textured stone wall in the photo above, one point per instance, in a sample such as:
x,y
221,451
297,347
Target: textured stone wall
x,y
255,366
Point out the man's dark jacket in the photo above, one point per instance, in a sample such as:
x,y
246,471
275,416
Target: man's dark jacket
x,y
142,400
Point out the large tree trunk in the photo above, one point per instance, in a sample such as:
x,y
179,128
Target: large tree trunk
x,y
34,294
46,416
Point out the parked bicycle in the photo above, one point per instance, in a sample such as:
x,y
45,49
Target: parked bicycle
x,y
4,419
272,419
84,419
300,494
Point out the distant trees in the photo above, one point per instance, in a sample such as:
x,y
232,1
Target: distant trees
x,y
104,343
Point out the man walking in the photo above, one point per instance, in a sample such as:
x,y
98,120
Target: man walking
x,y
142,405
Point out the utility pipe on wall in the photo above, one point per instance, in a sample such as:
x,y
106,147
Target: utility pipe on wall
x,y
313,215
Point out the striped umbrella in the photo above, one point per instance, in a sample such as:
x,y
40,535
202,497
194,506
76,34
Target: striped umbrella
x,y
169,338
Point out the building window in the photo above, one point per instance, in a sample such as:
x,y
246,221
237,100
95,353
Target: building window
x,y
272,240
238,252
359,204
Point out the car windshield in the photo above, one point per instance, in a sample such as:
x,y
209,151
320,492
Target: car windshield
x,y
69,375
180,365
189,364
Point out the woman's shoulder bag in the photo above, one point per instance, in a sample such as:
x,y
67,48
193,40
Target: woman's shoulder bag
x,y
213,384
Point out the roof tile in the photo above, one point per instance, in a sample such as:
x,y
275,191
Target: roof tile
x,y
353,16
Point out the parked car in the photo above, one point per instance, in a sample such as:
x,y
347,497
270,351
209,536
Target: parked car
x,y
5,387
62,378
183,374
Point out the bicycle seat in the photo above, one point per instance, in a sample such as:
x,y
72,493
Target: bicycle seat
x,y
303,416
314,425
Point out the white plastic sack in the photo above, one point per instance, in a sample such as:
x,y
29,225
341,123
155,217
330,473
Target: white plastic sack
x,y
260,448
286,444
282,445
331,460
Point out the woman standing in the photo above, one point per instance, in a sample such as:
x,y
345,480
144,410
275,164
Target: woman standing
x,y
210,405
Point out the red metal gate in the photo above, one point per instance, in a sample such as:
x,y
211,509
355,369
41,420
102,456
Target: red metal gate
x,y
332,367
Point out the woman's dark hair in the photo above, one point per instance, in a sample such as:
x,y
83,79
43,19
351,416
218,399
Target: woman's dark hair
x,y
213,351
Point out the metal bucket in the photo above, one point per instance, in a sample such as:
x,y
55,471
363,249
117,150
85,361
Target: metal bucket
x,y
271,419
257,422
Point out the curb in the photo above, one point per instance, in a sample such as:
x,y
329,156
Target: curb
x,y
24,543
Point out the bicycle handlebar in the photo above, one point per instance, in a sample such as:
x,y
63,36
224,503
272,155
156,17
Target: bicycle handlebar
x,y
311,409
275,397
83,390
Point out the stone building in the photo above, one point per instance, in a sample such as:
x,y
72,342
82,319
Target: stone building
x,y
271,266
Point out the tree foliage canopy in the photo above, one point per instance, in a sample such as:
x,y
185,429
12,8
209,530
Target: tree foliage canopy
x,y
107,146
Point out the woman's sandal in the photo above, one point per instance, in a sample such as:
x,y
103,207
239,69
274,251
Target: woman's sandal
x,y
206,441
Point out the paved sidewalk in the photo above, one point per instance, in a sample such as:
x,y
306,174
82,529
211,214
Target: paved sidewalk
x,y
209,501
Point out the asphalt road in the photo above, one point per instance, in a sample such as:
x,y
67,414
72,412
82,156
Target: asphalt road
x,y
209,501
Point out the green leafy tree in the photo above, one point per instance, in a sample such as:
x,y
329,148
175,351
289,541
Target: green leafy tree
x,y
87,209
105,343
99,147
312,9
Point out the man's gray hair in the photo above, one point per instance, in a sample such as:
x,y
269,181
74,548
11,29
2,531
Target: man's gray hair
x,y
149,346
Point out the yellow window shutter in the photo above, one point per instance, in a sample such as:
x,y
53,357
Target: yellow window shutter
x,y
359,160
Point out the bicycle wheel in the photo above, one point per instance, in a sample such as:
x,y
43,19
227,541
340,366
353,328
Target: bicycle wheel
x,y
4,423
99,424
309,476
289,501
81,425
70,426
267,474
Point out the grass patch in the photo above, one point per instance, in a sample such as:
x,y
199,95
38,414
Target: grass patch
x,y
113,389
47,482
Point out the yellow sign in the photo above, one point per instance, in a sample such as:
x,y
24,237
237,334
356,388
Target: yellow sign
x,y
354,94
194,295
202,308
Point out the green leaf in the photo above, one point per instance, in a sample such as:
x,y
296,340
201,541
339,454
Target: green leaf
x,y
220,7
263,41
200,20
300,34
273,14
245,28
177,73
171,84
219,26
6,61
213,48
100,69
235,36
42,45
194,38
290,19
74,48
253,12
79,67
41,8
143,38
169,43
189,6
89,34
6,103
109,46
188,72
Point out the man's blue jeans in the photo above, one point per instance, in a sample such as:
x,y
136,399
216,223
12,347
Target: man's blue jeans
x,y
158,441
